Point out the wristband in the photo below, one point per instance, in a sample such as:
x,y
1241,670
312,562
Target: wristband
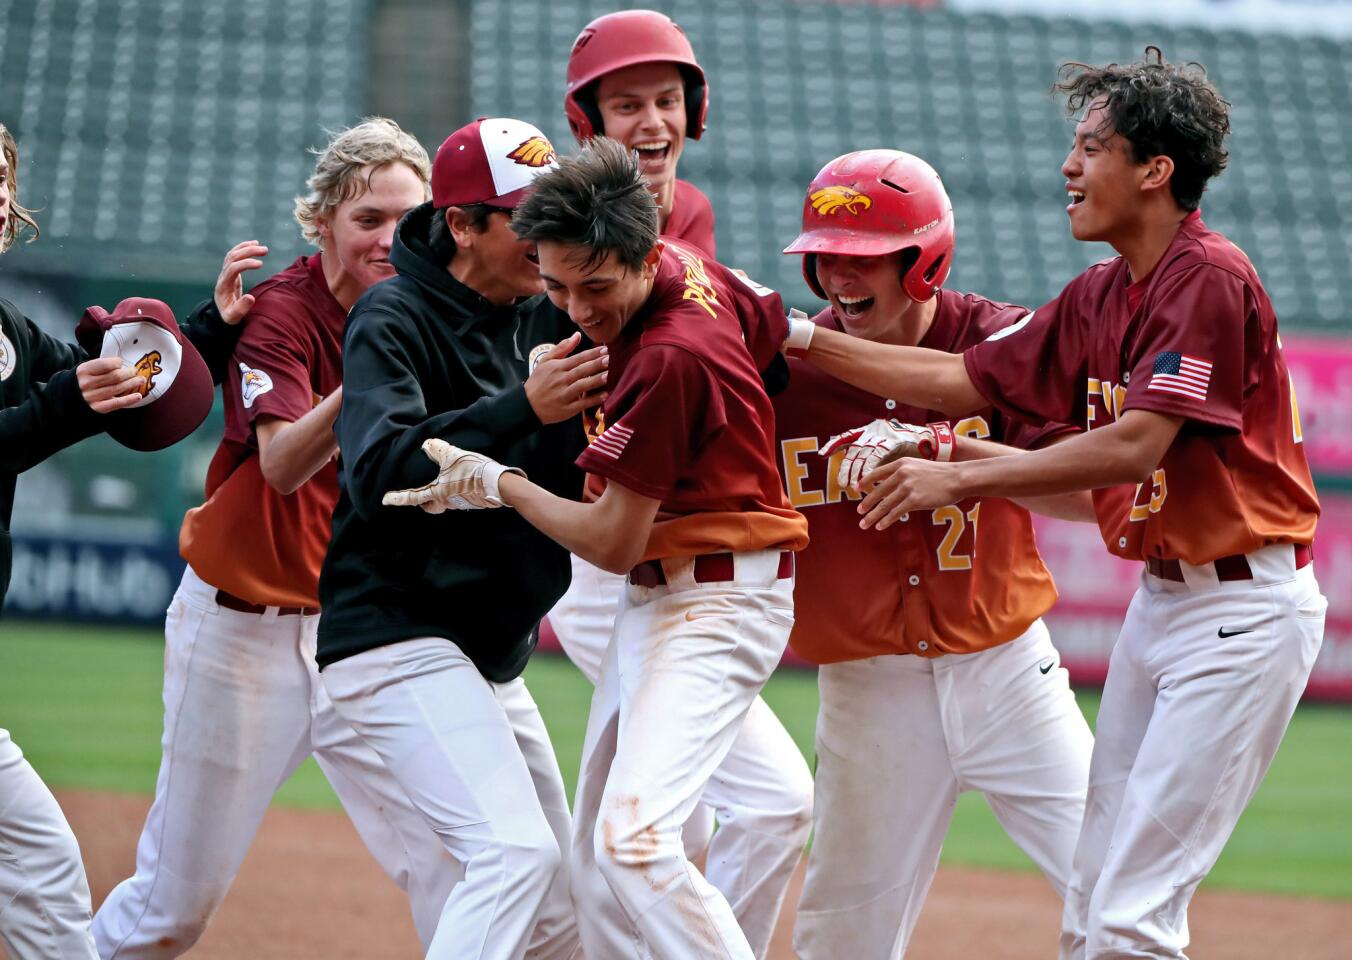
x,y
493,472
943,441
799,339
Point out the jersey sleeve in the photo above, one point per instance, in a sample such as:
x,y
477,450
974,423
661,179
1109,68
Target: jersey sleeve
x,y
761,312
275,361
1033,369
661,414
692,219
1187,358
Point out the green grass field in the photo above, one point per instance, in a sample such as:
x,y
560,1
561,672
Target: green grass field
x,y
85,706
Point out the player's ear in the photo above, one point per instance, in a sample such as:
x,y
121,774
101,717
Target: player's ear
x,y
459,224
1159,170
654,257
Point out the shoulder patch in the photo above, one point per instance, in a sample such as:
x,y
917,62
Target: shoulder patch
x,y
9,357
759,289
1014,327
536,355
252,384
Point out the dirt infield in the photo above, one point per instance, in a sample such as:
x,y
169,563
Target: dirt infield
x,y
309,890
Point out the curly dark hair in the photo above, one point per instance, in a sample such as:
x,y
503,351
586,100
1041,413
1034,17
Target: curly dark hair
x,y
1161,109
596,200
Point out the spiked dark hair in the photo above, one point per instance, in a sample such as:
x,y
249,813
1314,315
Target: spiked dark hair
x,y
597,201
1161,109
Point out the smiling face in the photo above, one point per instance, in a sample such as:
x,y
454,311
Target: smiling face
x,y
359,231
865,293
643,107
1103,180
493,261
600,298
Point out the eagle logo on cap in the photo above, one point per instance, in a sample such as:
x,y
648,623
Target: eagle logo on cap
x,y
147,368
828,200
535,152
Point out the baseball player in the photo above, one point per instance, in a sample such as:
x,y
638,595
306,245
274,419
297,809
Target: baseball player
x,y
52,394
633,76
940,676
243,702
1168,356
692,509
428,622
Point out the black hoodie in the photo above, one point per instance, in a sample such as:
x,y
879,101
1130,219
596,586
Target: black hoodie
x,y
42,409
425,356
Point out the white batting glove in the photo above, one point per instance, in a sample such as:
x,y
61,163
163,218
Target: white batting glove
x,y
467,481
799,339
882,441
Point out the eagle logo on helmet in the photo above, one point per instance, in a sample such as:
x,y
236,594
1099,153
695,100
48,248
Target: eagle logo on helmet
x,y
535,152
828,200
147,368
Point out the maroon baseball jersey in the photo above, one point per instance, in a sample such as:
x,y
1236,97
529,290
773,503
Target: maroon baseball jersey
x,y
692,218
687,421
248,538
958,579
1195,338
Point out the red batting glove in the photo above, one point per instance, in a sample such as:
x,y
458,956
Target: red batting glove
x,y
882,441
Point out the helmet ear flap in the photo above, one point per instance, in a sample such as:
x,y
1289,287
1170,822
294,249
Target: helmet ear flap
x,y
591,123
696,101
810,274
920,285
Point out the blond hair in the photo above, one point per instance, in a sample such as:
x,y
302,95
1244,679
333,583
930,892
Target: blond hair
x,y
20,217
375,142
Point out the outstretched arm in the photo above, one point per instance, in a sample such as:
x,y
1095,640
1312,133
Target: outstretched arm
x,y
917,376
1077,505
610,533
1123,452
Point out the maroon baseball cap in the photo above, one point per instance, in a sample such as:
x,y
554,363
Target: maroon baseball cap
x,y
177,393
493,161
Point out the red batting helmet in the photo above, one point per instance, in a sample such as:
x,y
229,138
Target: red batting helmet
x,y
624,39
874,202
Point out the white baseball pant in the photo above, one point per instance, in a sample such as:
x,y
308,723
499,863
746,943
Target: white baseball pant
x,y
1201,686
685,665
445,734
44,896
761,793
243,707
898,738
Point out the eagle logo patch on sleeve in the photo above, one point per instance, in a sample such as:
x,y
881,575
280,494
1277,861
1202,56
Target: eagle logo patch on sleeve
x,y
252,384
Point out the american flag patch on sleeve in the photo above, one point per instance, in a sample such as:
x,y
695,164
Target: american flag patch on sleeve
x,y
612,441
1179,373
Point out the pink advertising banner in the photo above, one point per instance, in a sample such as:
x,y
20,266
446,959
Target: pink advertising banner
x,y
1322,373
